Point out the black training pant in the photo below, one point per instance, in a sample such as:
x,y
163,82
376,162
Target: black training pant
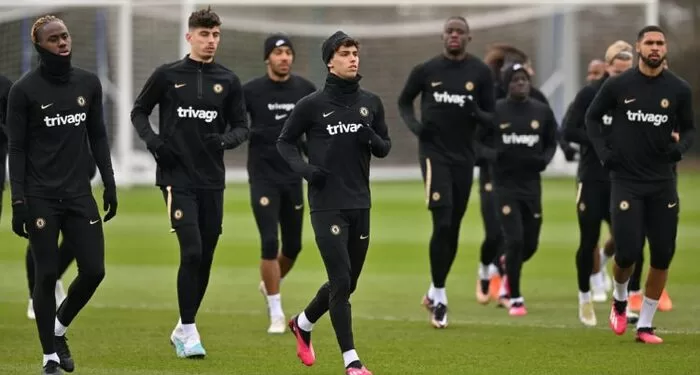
x,y
644,209
492,246
65,258
342,237
521,220
79,221
635,280
447,189
592,208
278,206
196,216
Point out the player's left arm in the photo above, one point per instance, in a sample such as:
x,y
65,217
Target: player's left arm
x,y
484,140
303,143
97,136
236,118
17,125
4,93
486,96
485,104
685,121
603,102
549,137
378,132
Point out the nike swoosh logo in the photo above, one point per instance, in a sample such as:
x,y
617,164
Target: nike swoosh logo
x,y
628,101
506,125
279,117
46,106
435,84
178,85
364,237
299,207
671,205
328,114
92,222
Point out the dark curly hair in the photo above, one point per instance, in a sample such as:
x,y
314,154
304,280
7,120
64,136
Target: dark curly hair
x,y
205,18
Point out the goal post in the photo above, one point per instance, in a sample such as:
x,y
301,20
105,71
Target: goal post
x,y
139,35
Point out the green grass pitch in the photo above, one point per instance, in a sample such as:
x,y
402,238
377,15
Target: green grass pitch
x,y
125,328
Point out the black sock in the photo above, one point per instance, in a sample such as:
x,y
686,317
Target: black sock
x,y
485,286
305,335
355,364
620,306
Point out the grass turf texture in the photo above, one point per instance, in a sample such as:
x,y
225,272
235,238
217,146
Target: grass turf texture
x,y
126,326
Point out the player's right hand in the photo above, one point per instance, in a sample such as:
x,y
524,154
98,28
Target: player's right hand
x,y
165,156
611,163
317,177
20,214
674,154
570,154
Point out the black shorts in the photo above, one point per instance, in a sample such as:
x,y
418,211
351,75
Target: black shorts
x,y
78,219
342,237
644,208
42,211
202,207
593,202
446,185
267,195
278,208
521,222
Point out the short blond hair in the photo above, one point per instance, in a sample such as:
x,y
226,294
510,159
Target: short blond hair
x,y
617,49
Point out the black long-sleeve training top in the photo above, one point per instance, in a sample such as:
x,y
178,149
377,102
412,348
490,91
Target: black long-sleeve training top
x,y
446,129
5,85
269,104
195,100
589,167
332,119
486,137
52,127
524,137
645,110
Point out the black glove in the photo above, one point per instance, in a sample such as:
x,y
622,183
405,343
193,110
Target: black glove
x,y
165,156
570,154
20,215
673,154
610,163
365,135
109,197
536,163
426,132
214,141
317,177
